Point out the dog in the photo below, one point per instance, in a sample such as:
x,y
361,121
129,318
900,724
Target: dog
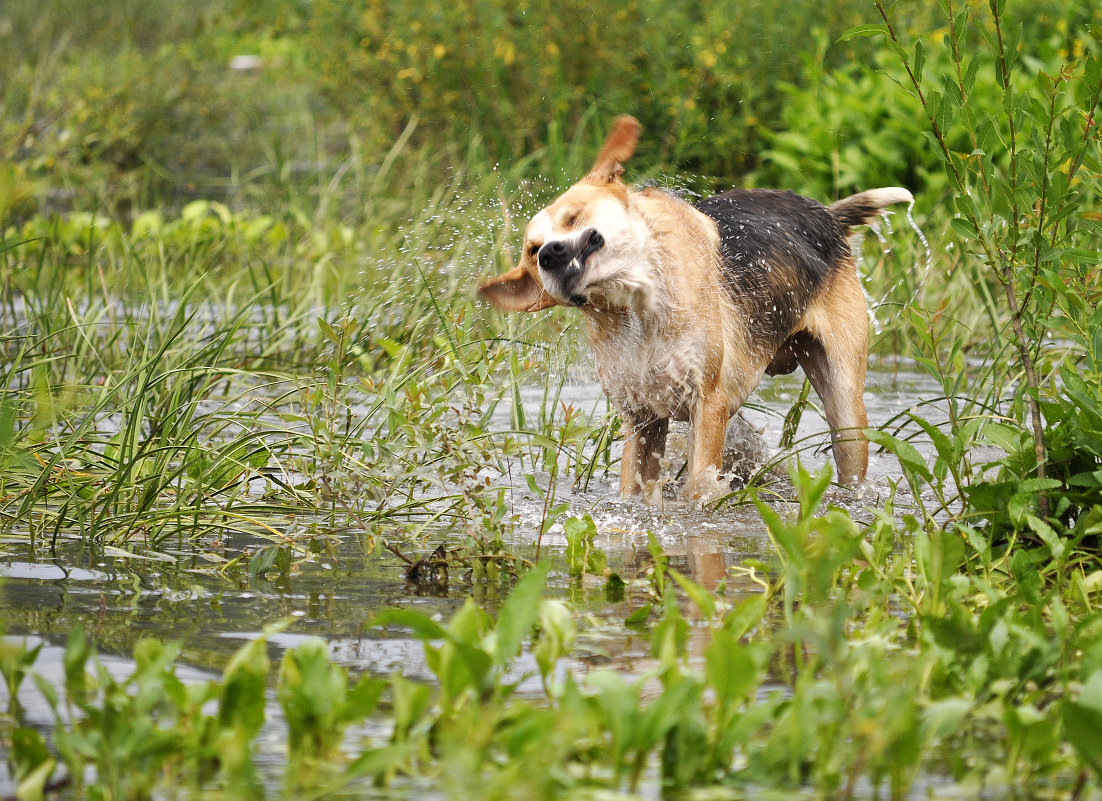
x,y
687,306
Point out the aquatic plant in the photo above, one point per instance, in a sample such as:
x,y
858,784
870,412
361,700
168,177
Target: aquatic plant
x,y
814,682
1027,228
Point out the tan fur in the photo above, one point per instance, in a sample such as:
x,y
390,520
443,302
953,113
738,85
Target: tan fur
x,y
669,341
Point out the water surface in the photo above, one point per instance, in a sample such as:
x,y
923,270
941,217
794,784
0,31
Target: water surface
x,y
118,598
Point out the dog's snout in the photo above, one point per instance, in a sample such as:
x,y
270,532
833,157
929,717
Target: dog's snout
x,y
554,255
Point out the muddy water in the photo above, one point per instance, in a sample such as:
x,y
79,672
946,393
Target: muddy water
x,y
119,599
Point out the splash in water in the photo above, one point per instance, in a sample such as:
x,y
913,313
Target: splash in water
x,y
883,231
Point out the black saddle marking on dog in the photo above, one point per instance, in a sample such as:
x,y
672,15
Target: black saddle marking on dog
x,y
777,250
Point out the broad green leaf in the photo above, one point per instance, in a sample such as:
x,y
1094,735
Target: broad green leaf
x,y
701,598
329,332
746,615
1004,436
640,616
949,451
518,614
873,29
1047,534
964,227
907,454
942,719
244,683
730,670
424,627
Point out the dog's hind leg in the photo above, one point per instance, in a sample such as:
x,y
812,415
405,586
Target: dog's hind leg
x,y
642,456
834,354
839,380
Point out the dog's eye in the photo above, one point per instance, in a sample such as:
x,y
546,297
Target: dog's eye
x,y
532,251
573,218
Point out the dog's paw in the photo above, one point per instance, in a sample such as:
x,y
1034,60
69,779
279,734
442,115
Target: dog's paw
x,y
652,492
705,487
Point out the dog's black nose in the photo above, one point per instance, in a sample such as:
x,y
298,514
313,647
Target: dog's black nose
x,y
554,256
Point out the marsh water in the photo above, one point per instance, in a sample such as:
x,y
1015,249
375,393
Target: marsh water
x,y
119,597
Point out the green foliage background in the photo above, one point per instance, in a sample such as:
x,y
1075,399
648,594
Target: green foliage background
x,y
134,103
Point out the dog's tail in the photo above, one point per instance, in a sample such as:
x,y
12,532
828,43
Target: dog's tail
x,y
864,206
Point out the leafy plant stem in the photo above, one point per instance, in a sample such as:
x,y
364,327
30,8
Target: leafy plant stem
x,y
1002,261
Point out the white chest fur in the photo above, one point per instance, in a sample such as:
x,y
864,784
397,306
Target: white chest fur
x,y
646,370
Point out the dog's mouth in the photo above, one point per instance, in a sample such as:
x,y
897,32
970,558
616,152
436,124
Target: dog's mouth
x,y
562,263
592,241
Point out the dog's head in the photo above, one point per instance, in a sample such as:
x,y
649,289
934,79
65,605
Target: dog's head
x,y
580,243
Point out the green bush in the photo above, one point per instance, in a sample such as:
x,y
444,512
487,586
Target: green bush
x,y
847,128
1021,165
525,75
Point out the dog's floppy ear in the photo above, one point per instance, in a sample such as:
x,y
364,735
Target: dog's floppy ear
x,y
516,290
617,149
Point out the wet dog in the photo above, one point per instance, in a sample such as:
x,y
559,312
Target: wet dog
x,y
688,306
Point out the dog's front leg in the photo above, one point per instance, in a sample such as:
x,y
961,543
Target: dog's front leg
x,y
642,457
708,427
